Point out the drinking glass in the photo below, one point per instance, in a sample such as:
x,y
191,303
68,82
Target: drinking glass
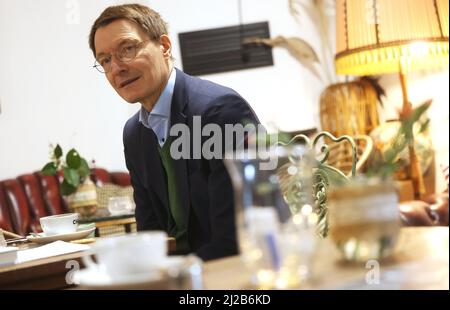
x,y
276,223
120,205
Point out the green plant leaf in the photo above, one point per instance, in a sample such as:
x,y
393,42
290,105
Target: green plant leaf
x,y
67,189
388,163
49,169
73,159
424,126
57,152
408,124
84,170
418,111
283,137
335,176
72,177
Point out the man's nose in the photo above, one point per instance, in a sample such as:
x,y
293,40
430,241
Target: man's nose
x,y
116,66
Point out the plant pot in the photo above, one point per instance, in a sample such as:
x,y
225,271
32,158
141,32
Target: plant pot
x,y
84,200
364,219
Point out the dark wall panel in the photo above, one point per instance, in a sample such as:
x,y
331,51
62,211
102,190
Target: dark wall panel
x,y
221,49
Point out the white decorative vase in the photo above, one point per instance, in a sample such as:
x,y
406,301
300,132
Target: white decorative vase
x,y
84,200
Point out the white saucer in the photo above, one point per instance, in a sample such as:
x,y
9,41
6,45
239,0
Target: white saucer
x,y
42,238
96,278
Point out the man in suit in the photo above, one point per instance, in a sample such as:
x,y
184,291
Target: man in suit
x,y
190,198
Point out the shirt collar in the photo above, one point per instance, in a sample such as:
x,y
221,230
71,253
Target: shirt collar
x,y
162,107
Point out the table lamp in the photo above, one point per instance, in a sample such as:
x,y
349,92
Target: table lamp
x,y
385,36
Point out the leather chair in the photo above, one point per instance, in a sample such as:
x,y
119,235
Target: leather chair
x,y
5,219
29,197
18,207
54,203
100,176
33,191
121,178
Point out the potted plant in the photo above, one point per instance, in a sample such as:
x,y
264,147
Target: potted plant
x,y
363,213
76,184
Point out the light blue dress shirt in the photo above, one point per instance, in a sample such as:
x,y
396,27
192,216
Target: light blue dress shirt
x,y
159,118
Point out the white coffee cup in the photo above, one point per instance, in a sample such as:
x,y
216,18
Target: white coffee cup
x,y
128,255
59,224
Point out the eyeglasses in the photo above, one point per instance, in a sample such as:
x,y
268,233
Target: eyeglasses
x,y
125,53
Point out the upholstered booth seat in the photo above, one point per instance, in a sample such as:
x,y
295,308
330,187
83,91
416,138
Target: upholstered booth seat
x,y
19,209
100,176
27,198
49,186
37,207
121,178
5,219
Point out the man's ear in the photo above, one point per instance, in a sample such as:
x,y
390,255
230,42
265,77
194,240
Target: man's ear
x,y
166,46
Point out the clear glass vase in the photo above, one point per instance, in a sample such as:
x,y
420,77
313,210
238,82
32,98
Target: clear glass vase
x,y
364,219
276,222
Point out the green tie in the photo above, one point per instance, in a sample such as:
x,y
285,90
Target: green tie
x,y
178,218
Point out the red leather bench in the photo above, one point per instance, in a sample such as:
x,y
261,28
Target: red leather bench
x,y
27,198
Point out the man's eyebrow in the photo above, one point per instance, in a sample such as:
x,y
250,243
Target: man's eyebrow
x,y
121,42
100,54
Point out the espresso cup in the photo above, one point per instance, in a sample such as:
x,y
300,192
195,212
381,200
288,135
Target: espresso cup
x,y
133,254
59,224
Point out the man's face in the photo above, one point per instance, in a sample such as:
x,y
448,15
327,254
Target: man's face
x,y
143,78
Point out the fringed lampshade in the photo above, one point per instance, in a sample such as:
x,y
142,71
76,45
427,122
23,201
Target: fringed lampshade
x,y
378,36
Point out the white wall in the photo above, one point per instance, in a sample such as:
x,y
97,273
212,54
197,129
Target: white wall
x,y
49,92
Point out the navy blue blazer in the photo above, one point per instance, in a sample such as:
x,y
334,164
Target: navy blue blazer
x,y
205,186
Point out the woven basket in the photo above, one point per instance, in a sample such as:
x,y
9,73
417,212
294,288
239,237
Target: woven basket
x,y
349,109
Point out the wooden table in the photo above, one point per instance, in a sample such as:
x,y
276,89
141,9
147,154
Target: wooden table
x,y
47,273
421,261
